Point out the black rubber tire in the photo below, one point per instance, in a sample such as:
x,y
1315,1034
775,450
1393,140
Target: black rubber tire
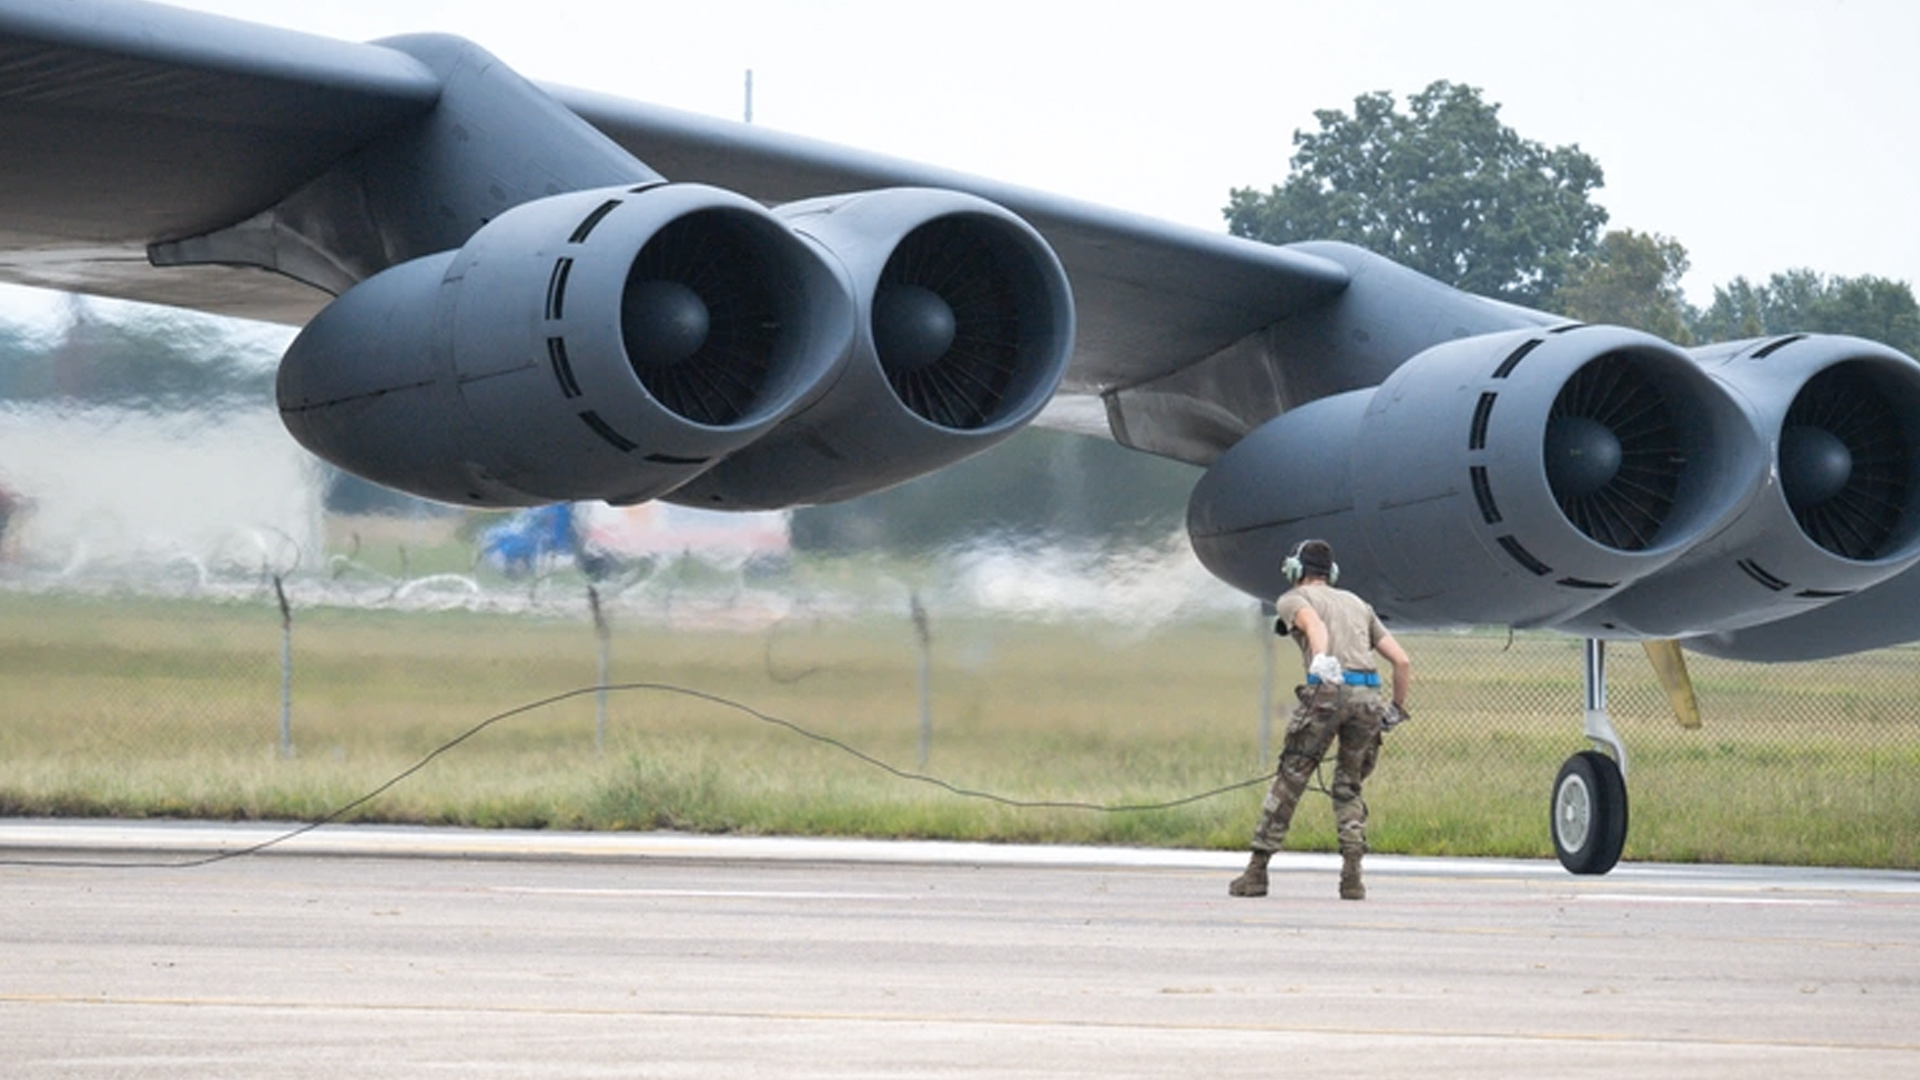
x,y
1589,813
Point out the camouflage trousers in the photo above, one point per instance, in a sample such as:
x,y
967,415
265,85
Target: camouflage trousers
x,y
1354,717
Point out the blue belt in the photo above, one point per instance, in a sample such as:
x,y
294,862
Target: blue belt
x,y
1351,678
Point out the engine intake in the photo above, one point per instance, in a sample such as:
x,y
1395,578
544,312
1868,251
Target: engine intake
x,y
1848,454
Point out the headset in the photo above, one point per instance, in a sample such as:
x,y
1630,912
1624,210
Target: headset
x,y
1295,569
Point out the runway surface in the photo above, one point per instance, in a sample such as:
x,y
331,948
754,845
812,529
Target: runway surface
x,y
395,952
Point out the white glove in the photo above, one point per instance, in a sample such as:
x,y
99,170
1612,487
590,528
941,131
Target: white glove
x,y
1396,716
1325,668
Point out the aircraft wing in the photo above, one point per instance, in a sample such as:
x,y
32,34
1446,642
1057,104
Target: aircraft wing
x,y
515,294
144,127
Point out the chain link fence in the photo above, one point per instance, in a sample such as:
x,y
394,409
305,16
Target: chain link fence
x,y
1819,757
105,686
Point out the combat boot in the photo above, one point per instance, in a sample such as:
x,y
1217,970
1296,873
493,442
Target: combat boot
x,y
1253,880
1351,887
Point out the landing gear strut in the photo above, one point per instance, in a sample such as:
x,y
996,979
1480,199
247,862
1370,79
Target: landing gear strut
x,y
1590,794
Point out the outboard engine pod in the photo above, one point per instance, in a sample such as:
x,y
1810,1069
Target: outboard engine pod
x,y
606,344
1840,510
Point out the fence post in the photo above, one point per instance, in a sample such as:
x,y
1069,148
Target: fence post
x,y
604,633
286,668
924,633
1263,626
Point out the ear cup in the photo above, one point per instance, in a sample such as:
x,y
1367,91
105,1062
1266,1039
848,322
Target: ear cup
x,y
1294,569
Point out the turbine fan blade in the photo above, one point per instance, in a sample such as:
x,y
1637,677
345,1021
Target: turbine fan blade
x,y
716,381
1611,411
965,384
1845,463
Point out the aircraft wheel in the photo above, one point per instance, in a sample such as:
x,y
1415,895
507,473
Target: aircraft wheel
x,y
1589,813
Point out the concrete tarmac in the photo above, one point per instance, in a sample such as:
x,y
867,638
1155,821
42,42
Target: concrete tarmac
x,y
373,952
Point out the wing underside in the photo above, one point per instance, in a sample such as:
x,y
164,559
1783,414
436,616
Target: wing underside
x,y
127,124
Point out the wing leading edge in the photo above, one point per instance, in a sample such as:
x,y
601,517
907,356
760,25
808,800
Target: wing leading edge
x,y
1152,298
132,127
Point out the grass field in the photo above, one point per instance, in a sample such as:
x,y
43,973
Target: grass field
x,y
129,707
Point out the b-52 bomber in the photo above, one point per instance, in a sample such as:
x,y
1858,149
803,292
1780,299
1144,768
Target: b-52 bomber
x,y
514,294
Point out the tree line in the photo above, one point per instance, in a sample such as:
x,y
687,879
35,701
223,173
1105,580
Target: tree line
x,y
1448,189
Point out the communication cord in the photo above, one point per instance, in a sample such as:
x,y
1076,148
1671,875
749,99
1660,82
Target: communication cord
x,y
639,687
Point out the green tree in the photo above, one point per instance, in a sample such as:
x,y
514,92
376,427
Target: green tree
x,y
1805,301
1877,308
1631,279
1738,311
1444,188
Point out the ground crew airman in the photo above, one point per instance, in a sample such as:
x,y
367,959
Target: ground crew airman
x,y
1338,634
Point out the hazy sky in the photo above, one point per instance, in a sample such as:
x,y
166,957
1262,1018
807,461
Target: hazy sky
x,y
1763,135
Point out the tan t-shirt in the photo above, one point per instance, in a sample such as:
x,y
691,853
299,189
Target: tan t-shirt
x,y
1352,628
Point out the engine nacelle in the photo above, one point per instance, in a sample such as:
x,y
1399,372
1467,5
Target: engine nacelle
x,y
963,330
608,344
1841,421
1514,478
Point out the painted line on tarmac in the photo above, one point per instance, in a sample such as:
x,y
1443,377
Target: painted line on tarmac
x,y
700,894
1754,901
922,1019
376,841
145,838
